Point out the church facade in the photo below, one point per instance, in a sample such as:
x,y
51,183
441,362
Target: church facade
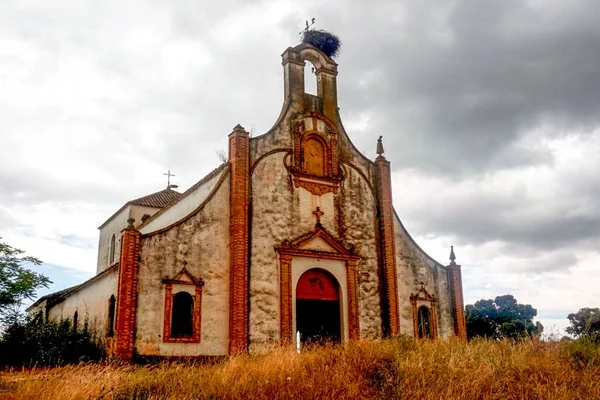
x,y
295,233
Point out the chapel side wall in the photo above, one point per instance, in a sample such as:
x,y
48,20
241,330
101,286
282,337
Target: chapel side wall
x,y
414,266
91,303
114,227
203,242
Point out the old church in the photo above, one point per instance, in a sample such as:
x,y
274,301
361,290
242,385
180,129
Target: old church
x,y
296,232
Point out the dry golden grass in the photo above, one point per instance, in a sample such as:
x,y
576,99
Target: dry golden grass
x,y
364,370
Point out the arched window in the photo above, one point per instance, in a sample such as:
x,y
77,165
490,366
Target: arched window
x,y
75,318
112,302
424,321
182,313
310,79
112,249
182,318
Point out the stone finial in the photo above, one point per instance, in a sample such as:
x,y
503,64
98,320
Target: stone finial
x,y
379,146
452,256
130,222
239,128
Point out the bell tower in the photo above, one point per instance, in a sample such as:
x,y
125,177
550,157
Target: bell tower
x,y
325,69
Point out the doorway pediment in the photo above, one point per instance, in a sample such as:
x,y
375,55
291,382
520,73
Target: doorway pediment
x,y
317,243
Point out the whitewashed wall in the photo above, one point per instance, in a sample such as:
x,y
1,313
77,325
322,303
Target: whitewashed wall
x,y
90,302
183,207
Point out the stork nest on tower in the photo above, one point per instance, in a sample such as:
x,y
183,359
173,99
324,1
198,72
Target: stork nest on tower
x,y
325,41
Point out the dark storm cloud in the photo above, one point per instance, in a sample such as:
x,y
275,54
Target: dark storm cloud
x,y
452,87
526,223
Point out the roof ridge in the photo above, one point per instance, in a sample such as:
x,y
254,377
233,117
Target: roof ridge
x,y
195,186
160,199
206,178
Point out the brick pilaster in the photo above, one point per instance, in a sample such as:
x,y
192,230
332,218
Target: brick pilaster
x,y
285,298
458,305
239,158
387,246
127,292
352,281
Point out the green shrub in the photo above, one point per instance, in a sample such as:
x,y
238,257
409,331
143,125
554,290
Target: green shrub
x,y
46,343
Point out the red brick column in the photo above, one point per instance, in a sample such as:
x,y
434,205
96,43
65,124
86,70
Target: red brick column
x,y
388,248
352,278
458,305
285,298
127,292
239,159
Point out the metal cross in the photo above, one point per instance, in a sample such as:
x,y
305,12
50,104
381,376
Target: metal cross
x,y
318,213
169,175
307,26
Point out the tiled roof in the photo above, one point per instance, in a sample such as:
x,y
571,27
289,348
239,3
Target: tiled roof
x,y
57,297
159,199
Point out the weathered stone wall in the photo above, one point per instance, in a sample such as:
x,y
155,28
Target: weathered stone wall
x,y
203,242
274,217
280,211
90,302
415,266
357,215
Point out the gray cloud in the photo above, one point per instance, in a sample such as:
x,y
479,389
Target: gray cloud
x,y
454,86
100,99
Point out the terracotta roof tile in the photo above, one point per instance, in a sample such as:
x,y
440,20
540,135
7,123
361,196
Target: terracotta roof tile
x,y
160,199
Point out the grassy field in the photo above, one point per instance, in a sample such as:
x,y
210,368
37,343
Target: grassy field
x,y
365,370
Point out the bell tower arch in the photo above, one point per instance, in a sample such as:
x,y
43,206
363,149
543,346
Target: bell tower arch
x,y
294,61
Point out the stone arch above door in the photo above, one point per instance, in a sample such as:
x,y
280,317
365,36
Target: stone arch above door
x,y
317,244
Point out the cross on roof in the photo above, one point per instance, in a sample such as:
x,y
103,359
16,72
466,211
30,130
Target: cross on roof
x,y
318,213
169,175
307,26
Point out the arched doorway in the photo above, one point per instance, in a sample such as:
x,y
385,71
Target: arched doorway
x,y
318,307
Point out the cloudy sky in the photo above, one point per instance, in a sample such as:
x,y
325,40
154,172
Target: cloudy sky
x,y
490,113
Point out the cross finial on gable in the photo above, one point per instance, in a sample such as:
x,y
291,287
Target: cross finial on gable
x,y
169,175
318,213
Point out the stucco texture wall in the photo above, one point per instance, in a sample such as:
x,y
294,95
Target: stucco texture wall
x,y
90,302
357,215
413,267
281,211
203,242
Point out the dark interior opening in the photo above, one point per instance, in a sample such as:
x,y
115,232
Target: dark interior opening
x,y
181,321
111,316
318,321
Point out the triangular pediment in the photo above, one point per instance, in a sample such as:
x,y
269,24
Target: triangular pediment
x,y
317,241
184,277
318,244
423,294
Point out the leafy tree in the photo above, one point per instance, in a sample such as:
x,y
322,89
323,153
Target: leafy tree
x,y
502,317
17,283
585,323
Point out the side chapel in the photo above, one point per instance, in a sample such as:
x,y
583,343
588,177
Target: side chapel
x,y
295,233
